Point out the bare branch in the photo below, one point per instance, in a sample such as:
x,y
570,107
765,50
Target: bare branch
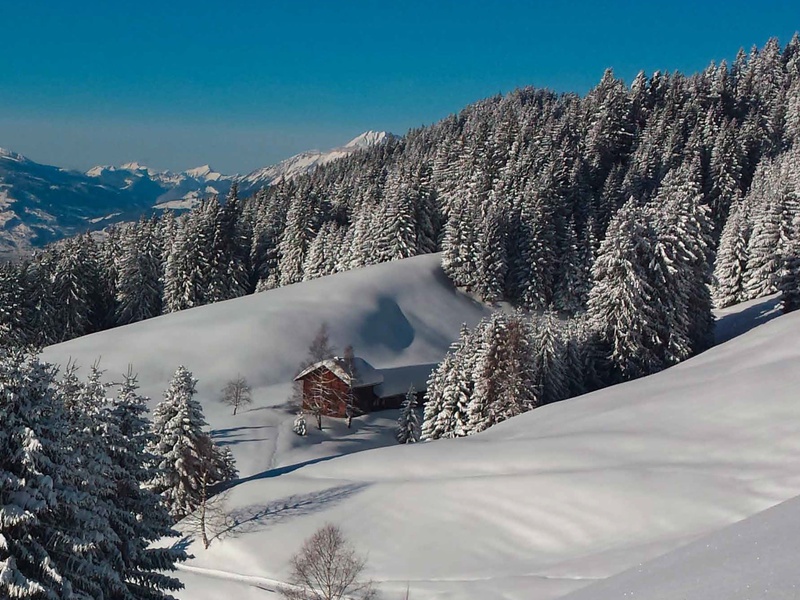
x,y
327,567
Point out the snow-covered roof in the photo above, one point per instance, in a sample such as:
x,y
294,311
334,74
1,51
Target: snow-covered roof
x,y
365,375
397,381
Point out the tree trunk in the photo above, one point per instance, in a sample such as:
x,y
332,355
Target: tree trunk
x,y
203,503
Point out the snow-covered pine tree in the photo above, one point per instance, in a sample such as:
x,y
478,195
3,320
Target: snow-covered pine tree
x,y
394,235
302,224
502,371
620,305
53,524
549,356
458,246
789,284
299,425
492,257
13,331
89,469
731,263
449,392
408,427
228,269
139,517
682,274
573,282
185,454
775,203
30,481
76,288
185,269
139,290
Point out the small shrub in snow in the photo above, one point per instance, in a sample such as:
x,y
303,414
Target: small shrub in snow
x,y
299,426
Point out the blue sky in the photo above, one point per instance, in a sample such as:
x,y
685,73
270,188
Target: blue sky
x,y
241,84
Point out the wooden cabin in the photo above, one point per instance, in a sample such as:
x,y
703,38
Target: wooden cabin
x,y
336,385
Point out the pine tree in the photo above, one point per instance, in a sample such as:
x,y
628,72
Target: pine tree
x,y
730,269
139,518
31,480
551,377
449,392
502,372
621,301
492,256
54,528
139,290
408,427
185,453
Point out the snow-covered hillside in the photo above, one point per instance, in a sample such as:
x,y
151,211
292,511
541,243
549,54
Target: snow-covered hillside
x,y
308,161
754,558
536,507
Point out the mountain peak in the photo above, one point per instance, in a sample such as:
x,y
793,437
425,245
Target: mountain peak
x,y
368,138
11,155
200,171
134,166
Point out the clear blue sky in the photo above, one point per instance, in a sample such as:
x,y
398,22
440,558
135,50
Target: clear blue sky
x,y
175,84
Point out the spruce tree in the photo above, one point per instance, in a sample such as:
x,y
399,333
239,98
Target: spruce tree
x,y
449,392
730,269
408,427
621,302
139,518
184,451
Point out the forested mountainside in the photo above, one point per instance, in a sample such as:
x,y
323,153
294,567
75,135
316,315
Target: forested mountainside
x,y
526,194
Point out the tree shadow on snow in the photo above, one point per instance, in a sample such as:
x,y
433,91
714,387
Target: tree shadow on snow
x,y
258,517
232,435
735,324
278,471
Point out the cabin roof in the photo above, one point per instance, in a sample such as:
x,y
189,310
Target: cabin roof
x,y
365,375
396,381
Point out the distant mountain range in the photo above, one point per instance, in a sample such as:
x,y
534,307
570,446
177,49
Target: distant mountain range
x,y
41,203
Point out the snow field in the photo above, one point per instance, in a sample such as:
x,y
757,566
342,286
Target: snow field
x,y
538,506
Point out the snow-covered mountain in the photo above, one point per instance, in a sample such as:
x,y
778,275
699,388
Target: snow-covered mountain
x,y
168,190
307,161
549,502
41,203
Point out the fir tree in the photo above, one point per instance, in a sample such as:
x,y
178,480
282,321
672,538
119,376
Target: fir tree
x,y
185,453
621,302
139,518
408,427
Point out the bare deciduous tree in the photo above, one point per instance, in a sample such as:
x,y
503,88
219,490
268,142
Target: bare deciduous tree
x,y
236,393
210,518
320,348
327,567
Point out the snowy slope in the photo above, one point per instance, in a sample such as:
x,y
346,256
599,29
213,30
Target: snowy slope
x,y
308,161
397,314
755,558
536,507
